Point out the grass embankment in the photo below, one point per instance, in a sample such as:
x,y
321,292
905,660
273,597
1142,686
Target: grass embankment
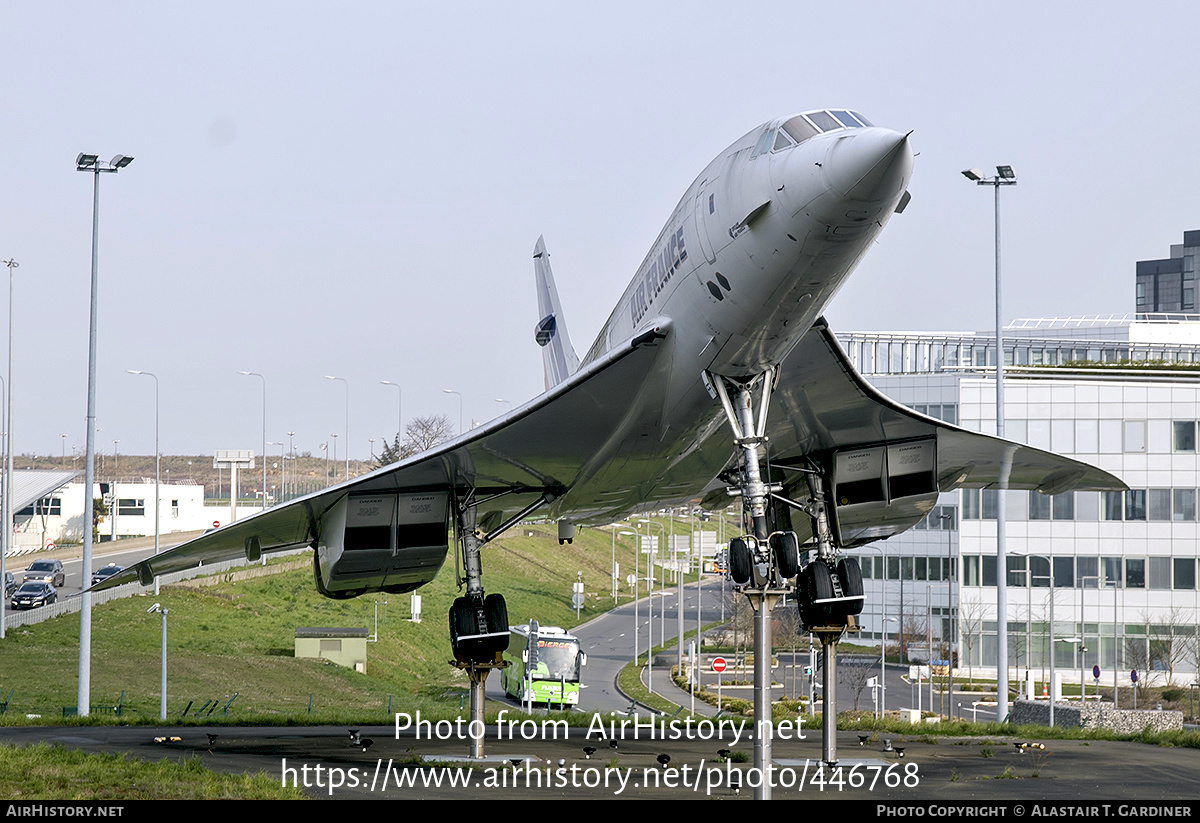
x,y
237,637
44,772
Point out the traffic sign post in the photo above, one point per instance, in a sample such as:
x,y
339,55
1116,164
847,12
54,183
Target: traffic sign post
x,y
719,665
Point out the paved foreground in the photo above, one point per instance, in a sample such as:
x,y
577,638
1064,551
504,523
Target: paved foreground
x,y
530,763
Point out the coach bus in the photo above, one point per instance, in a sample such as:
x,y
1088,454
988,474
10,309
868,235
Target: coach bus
x,y
545,665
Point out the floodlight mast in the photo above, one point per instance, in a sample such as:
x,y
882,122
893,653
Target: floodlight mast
x,y
91,163
1005,176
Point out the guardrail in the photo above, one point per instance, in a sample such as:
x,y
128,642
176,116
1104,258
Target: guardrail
x,y
73,603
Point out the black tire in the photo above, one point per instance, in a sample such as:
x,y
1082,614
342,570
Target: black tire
x,y
850,574
462,624
786,549
496,612
741,561
816,584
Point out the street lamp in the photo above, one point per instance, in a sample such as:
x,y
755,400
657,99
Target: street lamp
x,y
264,434
346,473
162,682
6,504
650,603
334,436
157,468
399,408
1005,176
613,568
460,407
88,163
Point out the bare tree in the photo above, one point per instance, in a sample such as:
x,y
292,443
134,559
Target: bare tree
x,y
854,672
420,434
1169,646
970,626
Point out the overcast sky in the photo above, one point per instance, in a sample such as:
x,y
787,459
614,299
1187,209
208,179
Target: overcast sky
x,y
355,189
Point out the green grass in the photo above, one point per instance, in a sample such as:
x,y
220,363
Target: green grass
x,y
238,638
43,772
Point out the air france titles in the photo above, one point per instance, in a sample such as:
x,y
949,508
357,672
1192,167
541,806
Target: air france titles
x,y
655,273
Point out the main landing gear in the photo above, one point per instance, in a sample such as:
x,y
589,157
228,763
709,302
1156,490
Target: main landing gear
x,y
767,564
478,622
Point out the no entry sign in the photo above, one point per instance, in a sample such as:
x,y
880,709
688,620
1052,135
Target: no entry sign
x,y
719,665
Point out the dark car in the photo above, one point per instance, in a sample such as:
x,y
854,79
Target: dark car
x,y
105,572
10,584
46,571
32,595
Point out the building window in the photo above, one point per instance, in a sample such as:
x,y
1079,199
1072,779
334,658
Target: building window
x,y
1185,505
1064,572
1160,504
1111,571
127,506
970,564
1135,573
1039,506
1039,572
1064,506
1185,573
1184,435
1160,573
1114,505
1135,504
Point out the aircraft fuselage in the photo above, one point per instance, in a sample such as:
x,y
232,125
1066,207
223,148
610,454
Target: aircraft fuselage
x,y
751,256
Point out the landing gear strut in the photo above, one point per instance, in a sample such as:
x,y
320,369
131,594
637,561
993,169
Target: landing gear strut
x,y
478,623
766,564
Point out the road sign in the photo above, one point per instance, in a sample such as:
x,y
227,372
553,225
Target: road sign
x,y
719,664
1096,672
216,524
1133,675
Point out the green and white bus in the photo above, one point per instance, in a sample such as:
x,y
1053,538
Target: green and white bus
x,y
545,665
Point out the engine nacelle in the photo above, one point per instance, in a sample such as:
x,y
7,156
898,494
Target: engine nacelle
x,y
385,542
882,490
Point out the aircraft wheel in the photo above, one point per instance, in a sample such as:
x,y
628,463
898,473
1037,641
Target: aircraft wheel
x,y
741,561
850,574
496,612
816,584
462,624
786,549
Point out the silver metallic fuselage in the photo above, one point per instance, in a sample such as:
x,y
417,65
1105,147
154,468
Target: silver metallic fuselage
x,y
749,260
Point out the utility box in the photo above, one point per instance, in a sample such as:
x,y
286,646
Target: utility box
x,y
346,647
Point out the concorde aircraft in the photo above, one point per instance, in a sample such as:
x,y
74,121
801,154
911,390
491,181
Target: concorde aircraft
x,y
715,378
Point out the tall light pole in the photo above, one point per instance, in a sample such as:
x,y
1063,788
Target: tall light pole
x,y
89,163
334,436
264,435
399,408
460,407
292,454
346,473
64,440
157,474
6,504
162,666
1005,176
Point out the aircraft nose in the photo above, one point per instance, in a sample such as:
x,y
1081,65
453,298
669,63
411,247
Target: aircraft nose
x,y
869,164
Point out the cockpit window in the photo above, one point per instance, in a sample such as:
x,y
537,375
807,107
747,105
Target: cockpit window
x,y
764,143
846,119
782,141
824,121
803,126
800,129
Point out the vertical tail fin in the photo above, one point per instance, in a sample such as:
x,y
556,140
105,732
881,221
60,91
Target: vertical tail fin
x,y
558,355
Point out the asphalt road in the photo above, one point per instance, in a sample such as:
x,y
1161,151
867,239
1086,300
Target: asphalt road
x,y
326,765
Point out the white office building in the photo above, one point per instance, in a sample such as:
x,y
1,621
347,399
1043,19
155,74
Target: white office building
x,y
1119,569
